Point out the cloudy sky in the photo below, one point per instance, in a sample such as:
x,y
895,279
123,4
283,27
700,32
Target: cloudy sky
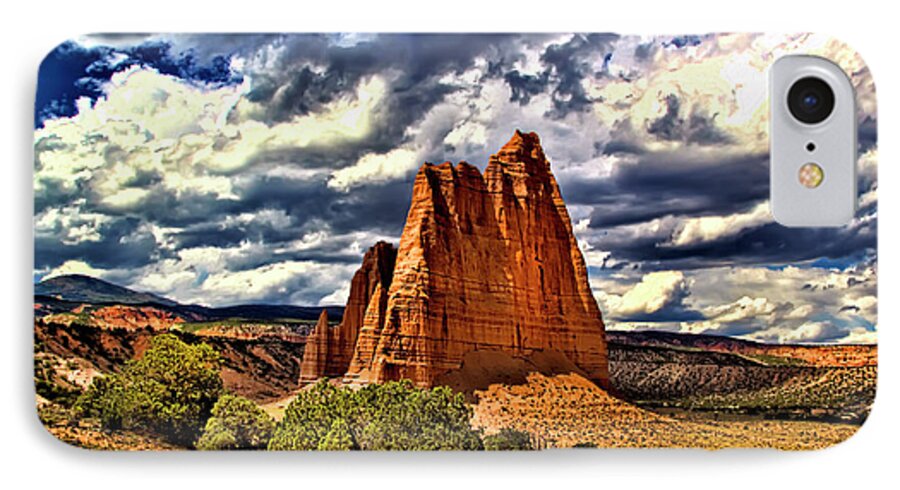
x,y
223,169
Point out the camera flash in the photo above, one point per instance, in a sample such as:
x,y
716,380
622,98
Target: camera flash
x,y
811,175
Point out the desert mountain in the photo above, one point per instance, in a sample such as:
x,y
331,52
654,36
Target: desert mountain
x,y
485,263
85,289
62,293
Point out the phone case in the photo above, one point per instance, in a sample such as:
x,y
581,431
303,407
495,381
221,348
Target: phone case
x,y
250,242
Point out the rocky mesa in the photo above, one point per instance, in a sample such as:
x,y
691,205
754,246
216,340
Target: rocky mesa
x,y
485,263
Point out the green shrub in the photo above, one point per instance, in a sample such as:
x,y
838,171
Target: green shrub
x,y
508,440
169,392
390,416
236,423
46,386
311,415
102,400
338,438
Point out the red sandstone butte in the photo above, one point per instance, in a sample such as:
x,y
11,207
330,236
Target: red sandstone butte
x,y
485,263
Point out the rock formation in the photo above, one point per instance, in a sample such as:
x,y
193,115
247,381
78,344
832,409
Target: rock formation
x,y
329,350
316,352
485,263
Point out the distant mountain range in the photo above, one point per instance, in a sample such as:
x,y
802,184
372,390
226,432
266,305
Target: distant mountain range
x,y
86,289
78,288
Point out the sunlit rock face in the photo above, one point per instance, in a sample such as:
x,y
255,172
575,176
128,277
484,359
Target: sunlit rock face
x,y
485,263
329,350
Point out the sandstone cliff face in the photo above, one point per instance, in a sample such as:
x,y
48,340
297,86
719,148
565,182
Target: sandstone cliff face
x,y
485,263
329,350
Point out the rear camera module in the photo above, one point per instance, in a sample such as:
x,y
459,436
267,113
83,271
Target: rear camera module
x,y
810,100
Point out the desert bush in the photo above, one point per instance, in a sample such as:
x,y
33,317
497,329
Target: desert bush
x,y
338,438
508,440
169,392
311,415
390,416
47,387
236,423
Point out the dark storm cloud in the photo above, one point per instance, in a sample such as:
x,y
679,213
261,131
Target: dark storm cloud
x,y
72,71
275,244
867,134
675,310
420,60
55,193
121,245
623,139
676,186
644,51
673,313
206,47
306,92
523,87
671,183
307,206
302,200
299,85
571,62
684,41
211,234
382,208
169,209
695,128
314,70
770,243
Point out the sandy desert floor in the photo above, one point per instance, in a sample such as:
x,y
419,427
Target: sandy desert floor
x,y
567,410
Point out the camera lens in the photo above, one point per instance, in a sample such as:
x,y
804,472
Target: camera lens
x,y
810,100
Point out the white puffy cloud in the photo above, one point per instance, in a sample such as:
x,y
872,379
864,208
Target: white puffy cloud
x,y
814,332
706,229
788,305
289,279
186,137
70,225
860,335
75,267
275,218
338,297
654,292
242,274
791,305
375,168
743,309
254,271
